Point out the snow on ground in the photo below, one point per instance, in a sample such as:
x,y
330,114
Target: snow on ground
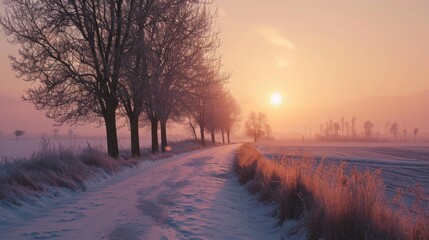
x,y
403,165
190,196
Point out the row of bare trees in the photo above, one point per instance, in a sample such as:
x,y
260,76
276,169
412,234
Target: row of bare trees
x,y
393,129
344,130
218,111
149,61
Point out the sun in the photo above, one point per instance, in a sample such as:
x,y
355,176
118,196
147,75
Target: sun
x,y
276,99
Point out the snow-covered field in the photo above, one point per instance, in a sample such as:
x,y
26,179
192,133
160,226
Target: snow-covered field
x,y
191,196
404,165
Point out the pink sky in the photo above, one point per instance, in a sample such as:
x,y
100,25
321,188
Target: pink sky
x,y
329,59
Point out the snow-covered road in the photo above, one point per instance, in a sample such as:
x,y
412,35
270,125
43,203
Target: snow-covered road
x,y
191,196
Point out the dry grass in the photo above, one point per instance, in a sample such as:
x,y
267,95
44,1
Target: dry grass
x,y
333,204
55,166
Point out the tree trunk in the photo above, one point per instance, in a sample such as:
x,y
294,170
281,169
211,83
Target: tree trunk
x,y
112,137
228,134
135,141
212,132
203,141
164,135
194,133
154,133
223,137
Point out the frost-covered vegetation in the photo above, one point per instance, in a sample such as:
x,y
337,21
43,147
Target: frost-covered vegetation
x,y
331,203
55,166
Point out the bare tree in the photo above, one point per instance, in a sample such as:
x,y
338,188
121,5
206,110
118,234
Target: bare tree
x,y
74,51
18,133
336,128
208,84
394,129
136,91
327,129
191,125
368,126
132,82
214,116
353,122
347,130
255,125
192,41
416,130
218,114
223,115
405,134
177,52
198,111
342,126
232,115
203,103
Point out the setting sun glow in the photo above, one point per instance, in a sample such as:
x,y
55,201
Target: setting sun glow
x,y
276,99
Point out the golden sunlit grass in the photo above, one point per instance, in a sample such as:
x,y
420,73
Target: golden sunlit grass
x,y
333,204
276,99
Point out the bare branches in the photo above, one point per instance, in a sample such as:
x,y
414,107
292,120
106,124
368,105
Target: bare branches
x,y
87,58
73,50
256,125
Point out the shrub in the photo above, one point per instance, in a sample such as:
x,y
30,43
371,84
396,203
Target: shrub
x,y
92,157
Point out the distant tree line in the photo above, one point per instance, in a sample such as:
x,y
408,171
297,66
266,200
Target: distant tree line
x,y
347,130
149,62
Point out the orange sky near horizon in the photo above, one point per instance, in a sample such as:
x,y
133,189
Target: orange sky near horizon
x,y
328,59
